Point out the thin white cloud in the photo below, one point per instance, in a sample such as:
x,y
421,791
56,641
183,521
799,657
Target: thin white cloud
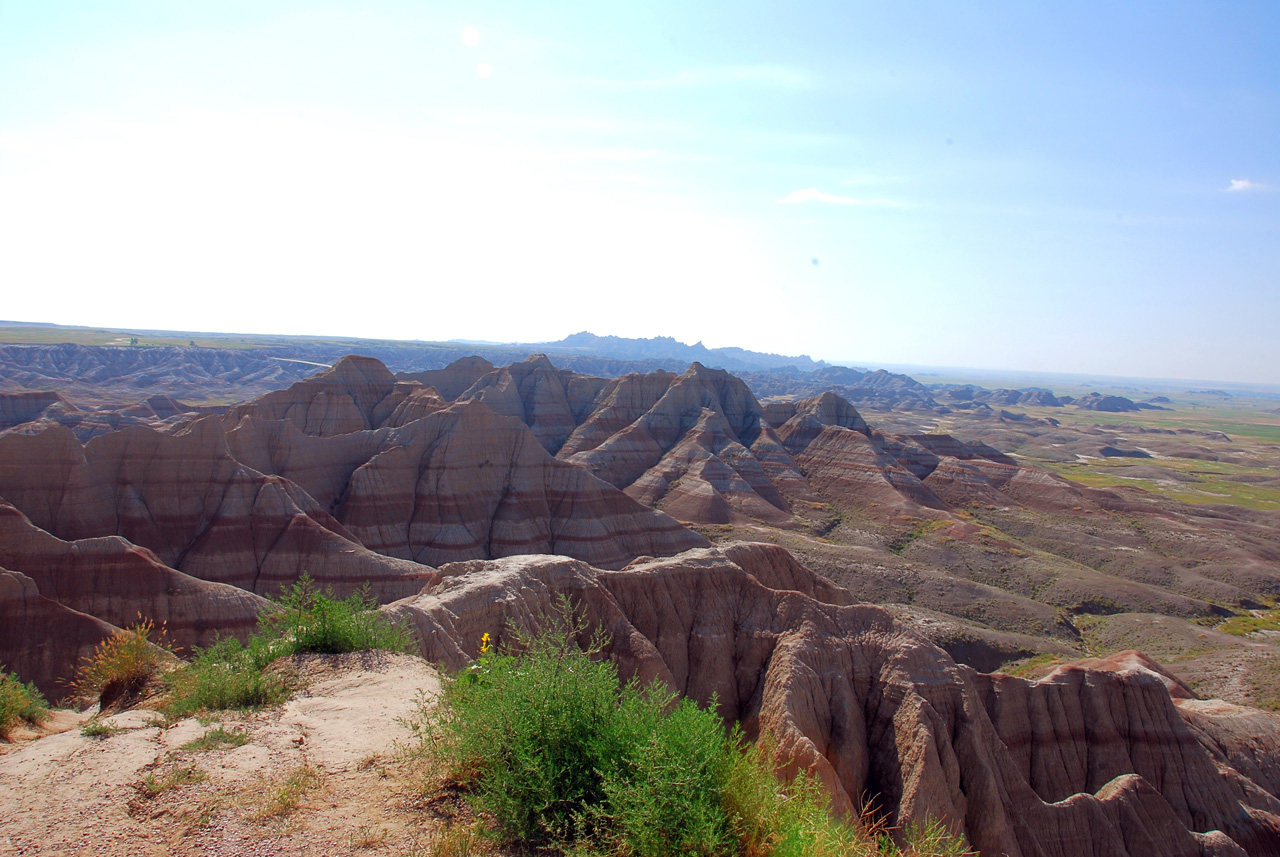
x,y
873,180
765,76
812,194
1243,184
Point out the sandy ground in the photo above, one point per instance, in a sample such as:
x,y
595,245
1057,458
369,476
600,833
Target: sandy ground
x,y
323,774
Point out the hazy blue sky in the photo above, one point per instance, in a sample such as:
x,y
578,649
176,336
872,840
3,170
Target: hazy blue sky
x,y
1057,186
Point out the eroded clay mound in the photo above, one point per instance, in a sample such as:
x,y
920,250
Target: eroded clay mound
x,y
185,498
119,583
1085,761
40,639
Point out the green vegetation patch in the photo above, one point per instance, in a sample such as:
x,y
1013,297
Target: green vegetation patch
x,y
558,753
918,530
98,729
19,703
218,738
234,675
1208,484
1252,622
1032,667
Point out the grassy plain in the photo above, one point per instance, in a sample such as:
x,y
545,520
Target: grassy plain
x,y
1207,480
37,334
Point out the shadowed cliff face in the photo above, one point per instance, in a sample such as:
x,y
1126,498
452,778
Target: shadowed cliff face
x,y
1084,761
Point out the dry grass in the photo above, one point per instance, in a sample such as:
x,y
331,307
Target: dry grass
x,y
285,795
122,665
154,784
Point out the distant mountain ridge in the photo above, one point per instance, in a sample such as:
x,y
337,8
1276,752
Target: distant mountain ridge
x,y
669,348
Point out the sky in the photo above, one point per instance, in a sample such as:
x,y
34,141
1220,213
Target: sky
x,y
1042,186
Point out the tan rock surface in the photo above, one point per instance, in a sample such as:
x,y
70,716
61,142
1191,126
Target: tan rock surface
x,y
67,793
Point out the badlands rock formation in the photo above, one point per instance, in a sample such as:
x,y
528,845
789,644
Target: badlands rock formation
x,y
350,476
433,489
1089,760
701,447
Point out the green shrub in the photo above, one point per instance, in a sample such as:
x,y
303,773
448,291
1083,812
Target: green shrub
x,y
665,795
312,621
551,746
19,702
777,819
533,735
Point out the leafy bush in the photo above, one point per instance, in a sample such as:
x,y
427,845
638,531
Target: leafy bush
x,y
775,819
122,664
19,702
551,746
665,795
233,675
533,734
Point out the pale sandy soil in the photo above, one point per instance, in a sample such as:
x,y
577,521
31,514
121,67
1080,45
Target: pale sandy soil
x,y
340,740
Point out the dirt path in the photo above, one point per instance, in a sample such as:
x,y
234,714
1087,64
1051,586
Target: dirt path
x,y
320,775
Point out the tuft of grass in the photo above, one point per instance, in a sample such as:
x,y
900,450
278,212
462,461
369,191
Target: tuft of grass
x,y
771,818
924,840
227,675
285,795
550,745
19,702
459,840
367,836
217,739
157,784
98,729
122,664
